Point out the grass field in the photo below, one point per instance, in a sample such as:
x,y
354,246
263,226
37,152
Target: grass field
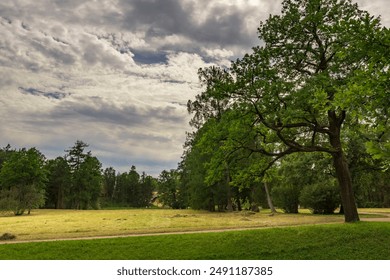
x,y
60,224
282,236
359,241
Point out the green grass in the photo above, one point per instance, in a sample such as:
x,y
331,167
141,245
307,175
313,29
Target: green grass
x,y
363,240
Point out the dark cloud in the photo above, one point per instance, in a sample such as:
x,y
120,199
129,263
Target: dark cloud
x,y
95,109
5,19
161,17
149,57
223,25
37,92
60,41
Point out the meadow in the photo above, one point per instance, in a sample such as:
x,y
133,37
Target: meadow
x,y
64,224
282,236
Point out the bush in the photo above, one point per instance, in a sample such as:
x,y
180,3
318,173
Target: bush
x,y
321,198
286,197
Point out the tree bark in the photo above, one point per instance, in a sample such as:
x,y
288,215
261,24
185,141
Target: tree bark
x,y
346,190
60,198
239,207
269,200
341,167
229,206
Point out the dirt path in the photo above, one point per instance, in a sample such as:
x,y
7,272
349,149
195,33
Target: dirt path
x,y
379,219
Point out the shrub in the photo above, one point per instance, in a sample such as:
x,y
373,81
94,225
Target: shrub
x,y
321,198
286,197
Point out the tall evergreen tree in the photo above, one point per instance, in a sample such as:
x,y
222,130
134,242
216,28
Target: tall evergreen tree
x,y
58,184
109,178
86,177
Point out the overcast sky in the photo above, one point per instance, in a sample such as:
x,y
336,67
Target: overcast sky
x,y
117,74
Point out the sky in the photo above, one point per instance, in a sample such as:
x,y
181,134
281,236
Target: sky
x,y
117,74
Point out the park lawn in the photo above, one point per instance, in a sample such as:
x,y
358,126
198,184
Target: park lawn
x,y
64,224
357,241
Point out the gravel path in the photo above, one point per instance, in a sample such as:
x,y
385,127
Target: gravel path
x,y
380,219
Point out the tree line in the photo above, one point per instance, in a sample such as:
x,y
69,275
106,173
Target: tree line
x,y
73,181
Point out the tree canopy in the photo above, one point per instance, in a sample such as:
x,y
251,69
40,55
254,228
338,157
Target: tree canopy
x,y
73,181
320,64
22,181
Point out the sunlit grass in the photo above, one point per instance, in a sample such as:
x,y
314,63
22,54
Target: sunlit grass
x,y
58,224
375,210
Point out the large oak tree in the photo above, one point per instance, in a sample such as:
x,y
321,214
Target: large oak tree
x,y
320,65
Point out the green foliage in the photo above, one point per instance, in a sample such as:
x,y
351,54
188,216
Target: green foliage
x,y
168,188
22,181
133,190
109,182
370,177
321,198
86,178
360,241
59,182
5,154
194,172
372,187
148,185
287,197
299,172
323,64
89,178
74,181
380,150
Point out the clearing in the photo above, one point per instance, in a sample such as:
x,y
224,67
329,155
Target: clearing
x,y
46,224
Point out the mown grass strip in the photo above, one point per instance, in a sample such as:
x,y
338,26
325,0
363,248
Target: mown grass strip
x,y
363,241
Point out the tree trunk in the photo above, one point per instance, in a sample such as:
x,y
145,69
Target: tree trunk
x,y
60,198
229,206
341,166
269,200
345,182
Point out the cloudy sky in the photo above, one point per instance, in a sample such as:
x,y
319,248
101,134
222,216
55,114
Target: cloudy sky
x,y
117,74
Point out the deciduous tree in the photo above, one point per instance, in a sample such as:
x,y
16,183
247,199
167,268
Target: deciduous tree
x,y
22,181
302,86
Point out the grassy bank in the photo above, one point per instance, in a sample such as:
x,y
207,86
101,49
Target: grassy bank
x,y
363,240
